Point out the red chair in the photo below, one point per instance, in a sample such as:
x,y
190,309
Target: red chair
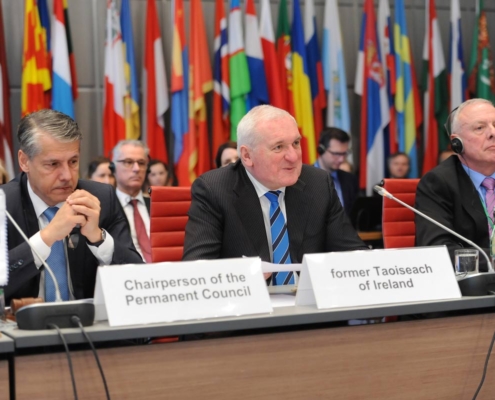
x,y
168,219
398,225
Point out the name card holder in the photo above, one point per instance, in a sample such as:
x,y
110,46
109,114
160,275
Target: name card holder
x,y
362,278
166,292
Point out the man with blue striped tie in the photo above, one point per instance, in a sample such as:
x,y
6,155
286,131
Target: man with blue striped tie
x,y
267,204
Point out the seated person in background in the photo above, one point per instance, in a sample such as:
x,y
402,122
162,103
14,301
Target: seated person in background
x,y
157,174
226,154
4,175
398,165
346,166
99,170
232,207
444,155
459,192
50,204
333,149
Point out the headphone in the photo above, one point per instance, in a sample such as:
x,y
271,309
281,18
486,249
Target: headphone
x,y
455,143
321,149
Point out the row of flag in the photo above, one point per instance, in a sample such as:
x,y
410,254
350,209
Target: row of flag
x,y
255,64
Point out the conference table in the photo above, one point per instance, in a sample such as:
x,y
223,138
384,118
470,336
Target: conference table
x,y
292,353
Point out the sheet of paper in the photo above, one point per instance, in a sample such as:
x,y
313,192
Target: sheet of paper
x,y
282,300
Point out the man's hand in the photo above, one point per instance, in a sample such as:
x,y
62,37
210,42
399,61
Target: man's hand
x,y
87,206
61,225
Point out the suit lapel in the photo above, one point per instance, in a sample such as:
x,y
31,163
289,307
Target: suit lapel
x,y
30,219
297,212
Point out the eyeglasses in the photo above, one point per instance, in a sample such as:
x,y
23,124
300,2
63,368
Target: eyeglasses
x,y
128,163
339,154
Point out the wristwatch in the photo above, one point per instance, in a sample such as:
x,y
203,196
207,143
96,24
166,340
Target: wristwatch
x,y
99,242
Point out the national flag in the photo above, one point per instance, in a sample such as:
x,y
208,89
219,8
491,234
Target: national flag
x,y
36,79
334,69
375,114
72,60
254,54
47,39
62,96
435,90
405,100
457,71
284,55
221,90
201,82
179,86
387,52
115,87
238,68
5,122
315,70
131,100
301,89
155,90
272,69
481,73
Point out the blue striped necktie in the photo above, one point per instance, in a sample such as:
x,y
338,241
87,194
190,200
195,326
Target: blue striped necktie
x,y
57,262
280,240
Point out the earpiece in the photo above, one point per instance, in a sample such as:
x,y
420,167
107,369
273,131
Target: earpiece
x,y
321,149
457,146
111,167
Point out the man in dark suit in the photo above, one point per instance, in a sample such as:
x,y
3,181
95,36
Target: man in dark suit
x,y
231,212
130,159
333,148
455,193
74,225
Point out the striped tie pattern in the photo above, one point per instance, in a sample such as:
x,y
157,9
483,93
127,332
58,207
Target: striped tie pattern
x,y
58,263
489,185
280,240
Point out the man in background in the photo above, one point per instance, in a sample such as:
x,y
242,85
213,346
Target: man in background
x,y
130,158
398,165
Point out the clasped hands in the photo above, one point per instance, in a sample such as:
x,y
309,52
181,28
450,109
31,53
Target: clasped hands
x,y
81,208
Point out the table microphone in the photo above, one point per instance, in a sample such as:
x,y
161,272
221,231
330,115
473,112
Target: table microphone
x,y
479,284
40,315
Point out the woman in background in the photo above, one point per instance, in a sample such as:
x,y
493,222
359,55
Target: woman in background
x,y
157,175
100,169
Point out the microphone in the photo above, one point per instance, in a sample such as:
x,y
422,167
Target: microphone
x,y
40,315
479,284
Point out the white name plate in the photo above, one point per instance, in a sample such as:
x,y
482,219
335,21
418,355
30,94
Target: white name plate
x,y
361,278
166,292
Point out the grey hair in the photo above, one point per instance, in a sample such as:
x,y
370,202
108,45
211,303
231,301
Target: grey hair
x,y
131,142
58,125
454,118
247,133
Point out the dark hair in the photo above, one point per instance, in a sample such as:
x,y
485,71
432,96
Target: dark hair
x,y
165,165
221,148
328,134
94,164
155,162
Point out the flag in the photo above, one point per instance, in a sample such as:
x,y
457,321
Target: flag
x,y
46,37
457,71
256,65
72,60
238,68
334,69
435,90
315,70
272,69
201,82
221,90
481,73
35,69
62,96
387,52
5,122
115,88
405,100
375,114
155,90
284,55
179,86
301,89
131,100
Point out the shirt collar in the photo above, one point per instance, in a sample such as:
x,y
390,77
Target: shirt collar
x,y
476,177
39,205
124,198
260,188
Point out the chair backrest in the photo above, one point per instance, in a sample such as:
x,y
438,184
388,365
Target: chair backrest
x,y
168,219
398,225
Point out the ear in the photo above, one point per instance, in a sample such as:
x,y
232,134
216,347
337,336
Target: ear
x,y
23,161
246,156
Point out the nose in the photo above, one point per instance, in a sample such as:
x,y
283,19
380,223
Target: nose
x,y
491,131
291,154
65,174
135,166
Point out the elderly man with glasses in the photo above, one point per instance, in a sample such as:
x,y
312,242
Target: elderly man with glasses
x,y
130,158
333,148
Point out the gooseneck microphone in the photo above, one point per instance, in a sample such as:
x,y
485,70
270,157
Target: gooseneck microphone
x,y
41,315
478,284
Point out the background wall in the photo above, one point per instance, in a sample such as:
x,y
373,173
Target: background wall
x,y
87,19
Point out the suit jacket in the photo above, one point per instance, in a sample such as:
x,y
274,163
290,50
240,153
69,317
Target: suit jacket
x,y
24,277
226,220
448,195
350,189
